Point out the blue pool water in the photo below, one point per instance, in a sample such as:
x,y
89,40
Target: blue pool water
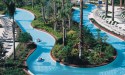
x,y
50,67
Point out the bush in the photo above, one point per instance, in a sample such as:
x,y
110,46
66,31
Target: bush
x,y
31,45
94,52
56,49
24,37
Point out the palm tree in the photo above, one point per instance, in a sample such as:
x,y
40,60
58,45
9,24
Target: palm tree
x,y
106,2
11,9
2,52
55,10
69,12
62,16
54,6
112,10
81,29
62,3
19,3
43,4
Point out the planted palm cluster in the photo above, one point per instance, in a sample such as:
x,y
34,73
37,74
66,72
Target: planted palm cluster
x,y
95,51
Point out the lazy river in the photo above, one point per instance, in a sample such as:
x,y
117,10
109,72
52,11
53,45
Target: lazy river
x,y
49,66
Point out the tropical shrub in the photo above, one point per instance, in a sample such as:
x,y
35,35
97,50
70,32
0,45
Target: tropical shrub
x,y
96,51
24,37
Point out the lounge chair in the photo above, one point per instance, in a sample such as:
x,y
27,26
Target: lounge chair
x,y
112,22
122,16
104,17
115,23
108,21
7,45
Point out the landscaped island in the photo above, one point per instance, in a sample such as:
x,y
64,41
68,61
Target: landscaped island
x,y
96,51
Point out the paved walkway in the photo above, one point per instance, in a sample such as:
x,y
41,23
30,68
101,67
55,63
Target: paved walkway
x,y
117,13
107,30
117,28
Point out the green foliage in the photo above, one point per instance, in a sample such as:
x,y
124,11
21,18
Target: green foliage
x,y
94,58
24,37
71,34
96,51
16,67
38,22
31,45
63,55
2,51
11,7
117,2
75,52
2,7
109,51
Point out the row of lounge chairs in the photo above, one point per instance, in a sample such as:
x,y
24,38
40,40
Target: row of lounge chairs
x,y
121,16
107,20
108,23
6,37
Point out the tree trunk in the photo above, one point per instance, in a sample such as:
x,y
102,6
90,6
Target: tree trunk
x,y
63,25
32,4
13,26
64,32
63,3
121,4
112,10
43,14
81,29
69,17
55,24
106,2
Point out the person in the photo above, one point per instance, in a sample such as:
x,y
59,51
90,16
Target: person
x,y
38,40
40,58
